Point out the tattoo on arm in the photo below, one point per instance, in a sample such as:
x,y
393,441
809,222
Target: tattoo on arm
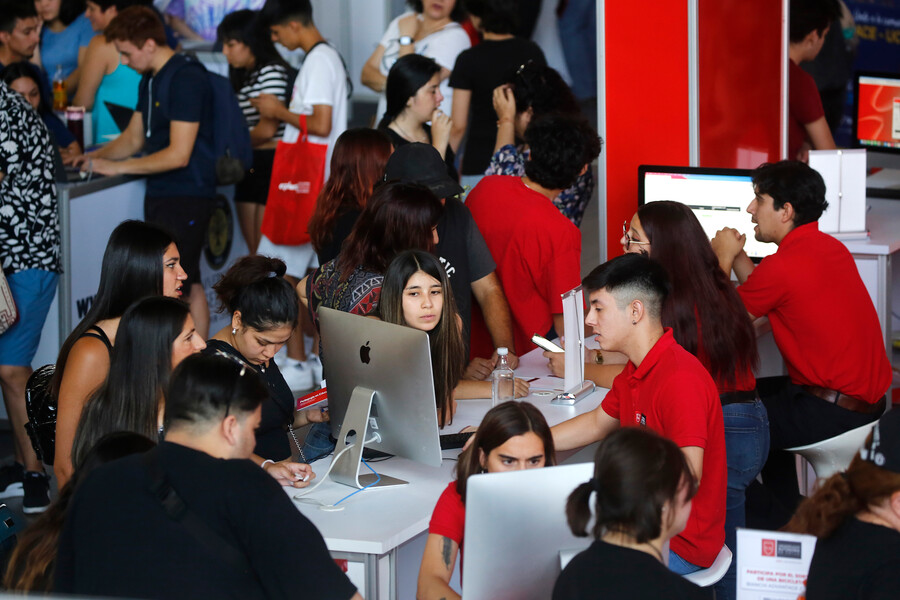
x,y
445,552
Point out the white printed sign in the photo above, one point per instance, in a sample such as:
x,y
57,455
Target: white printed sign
x,y
772,565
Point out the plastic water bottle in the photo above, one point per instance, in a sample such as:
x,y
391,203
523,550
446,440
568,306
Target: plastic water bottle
x,y
503,385
60,97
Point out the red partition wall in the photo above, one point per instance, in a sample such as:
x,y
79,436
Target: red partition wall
x,y
646,91
740,82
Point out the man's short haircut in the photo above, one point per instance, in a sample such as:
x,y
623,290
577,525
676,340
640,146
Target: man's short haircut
x,y
282,12
795,182
631,277
497,16
812,15
15,10
136,24
205,389
560,147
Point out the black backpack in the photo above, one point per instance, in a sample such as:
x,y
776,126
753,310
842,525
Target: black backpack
x,y
41,408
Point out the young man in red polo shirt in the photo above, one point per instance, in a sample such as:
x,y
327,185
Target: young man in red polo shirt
x,y
536,248
822,318
663,387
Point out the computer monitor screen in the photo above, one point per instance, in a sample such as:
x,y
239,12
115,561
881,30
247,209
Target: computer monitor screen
x,y
380,386
718,197
876,114
516,531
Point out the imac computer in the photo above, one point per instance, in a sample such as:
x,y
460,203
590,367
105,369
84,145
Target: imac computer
x,y
517,536
876,112
718,197
380,393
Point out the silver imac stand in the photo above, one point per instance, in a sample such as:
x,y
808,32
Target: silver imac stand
x,y
353,432
573,316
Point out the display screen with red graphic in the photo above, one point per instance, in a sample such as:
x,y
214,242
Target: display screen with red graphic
x,y
877,115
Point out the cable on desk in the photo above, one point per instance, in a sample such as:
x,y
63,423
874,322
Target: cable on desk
x,y
303,493
377,479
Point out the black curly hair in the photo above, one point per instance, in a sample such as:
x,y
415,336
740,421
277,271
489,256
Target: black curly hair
x,y
561,145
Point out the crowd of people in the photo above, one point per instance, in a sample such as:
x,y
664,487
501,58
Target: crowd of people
x,y
457,214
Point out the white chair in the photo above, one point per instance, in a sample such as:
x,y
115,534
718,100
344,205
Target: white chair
x,y
834,454
715,572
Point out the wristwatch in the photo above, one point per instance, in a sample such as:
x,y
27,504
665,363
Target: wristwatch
x,y
406,40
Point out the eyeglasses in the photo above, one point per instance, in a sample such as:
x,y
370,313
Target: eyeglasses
x,y
628,240
237,361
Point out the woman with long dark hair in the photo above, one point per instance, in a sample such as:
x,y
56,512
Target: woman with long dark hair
x,y
856,516
140,260
254,68
413,97
264,311
32,564
416,293
534,91
398,217
357,164
512,436
154,336
642,489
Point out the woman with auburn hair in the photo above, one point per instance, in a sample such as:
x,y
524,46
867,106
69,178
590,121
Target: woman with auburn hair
x,y
642,489
856,516
513,436
357,164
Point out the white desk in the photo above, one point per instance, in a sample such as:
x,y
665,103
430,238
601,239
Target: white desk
x,y
381,532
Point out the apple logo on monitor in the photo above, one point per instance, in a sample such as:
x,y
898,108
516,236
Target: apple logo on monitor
x,y
364,353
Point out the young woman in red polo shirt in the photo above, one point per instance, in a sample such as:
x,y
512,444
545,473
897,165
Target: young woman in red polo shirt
x,y
709,320
513,436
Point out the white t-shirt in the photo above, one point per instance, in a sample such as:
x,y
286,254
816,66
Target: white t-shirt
x,y
443,46
321,80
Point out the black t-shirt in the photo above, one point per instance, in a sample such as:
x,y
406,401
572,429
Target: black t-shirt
x,y
608,571
480,69
340,231
397,140
860,560
187,97
271,436
464,255
118,540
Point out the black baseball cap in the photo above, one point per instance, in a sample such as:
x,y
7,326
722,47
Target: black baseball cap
x,y
421,163
884,448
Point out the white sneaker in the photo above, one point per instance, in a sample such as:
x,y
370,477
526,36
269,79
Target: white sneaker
x,y
281,358
316,365
298,376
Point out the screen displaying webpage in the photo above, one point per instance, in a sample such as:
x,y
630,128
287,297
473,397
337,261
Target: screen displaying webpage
x,y
878,112
717,200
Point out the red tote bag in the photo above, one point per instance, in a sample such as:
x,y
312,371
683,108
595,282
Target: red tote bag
x,y
298,174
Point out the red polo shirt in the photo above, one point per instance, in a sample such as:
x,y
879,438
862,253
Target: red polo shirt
x,y
537,251
673,394
822,317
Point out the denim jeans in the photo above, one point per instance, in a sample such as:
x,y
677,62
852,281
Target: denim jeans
x,y
318,442
680,566
746,448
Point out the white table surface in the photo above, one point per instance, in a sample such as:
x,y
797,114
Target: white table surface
x,y
376,521
883,223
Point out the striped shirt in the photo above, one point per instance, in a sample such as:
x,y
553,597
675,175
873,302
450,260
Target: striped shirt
x,y
270,79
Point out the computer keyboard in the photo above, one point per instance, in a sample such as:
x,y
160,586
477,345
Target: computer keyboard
x,y
451,441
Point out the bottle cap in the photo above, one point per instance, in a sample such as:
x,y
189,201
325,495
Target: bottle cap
x,y
502,351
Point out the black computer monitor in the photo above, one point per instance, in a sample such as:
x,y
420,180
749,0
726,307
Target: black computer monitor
x,y
718,197
876,111
380,393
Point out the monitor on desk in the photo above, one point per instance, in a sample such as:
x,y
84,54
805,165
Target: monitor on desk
x,y
380,393
717,197
516,531
876,112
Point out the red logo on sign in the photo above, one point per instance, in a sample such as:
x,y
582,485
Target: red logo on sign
x,y
768,547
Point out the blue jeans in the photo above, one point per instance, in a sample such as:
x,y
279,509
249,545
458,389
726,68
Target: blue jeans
x,y
746,448
318,442
680,566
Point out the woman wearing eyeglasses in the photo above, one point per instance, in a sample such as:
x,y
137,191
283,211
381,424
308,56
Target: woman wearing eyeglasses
x,y
264,309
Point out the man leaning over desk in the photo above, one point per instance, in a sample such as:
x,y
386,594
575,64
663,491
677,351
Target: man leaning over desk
x,y
823,321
